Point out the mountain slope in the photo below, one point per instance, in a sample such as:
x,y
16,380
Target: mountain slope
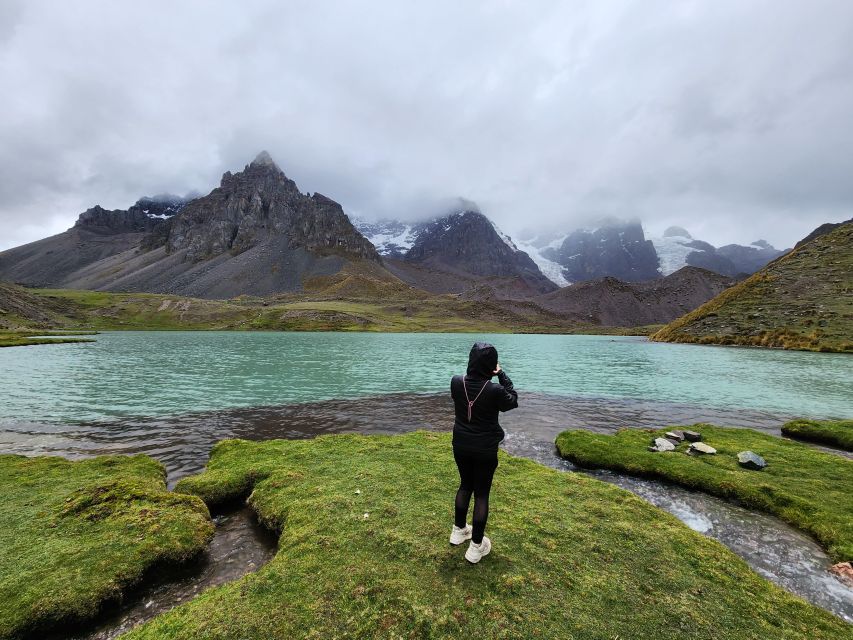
x,y
254,234
802,300
611,302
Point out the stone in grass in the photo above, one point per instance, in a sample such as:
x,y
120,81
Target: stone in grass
x,y
700,448
675,436
844,570
750,460
692,436
662,444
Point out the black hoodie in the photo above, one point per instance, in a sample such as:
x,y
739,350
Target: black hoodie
x,y
482,433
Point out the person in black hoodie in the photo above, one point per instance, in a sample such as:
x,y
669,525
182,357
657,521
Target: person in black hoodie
x,y
476,436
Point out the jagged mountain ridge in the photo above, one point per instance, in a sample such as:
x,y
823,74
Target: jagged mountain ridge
x,y
617,248
254,234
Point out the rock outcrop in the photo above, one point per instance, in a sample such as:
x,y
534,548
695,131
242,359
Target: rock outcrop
x,y
259,203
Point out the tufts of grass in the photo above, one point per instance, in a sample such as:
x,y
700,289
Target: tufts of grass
x,y
835,433
364,553
76,535
810,489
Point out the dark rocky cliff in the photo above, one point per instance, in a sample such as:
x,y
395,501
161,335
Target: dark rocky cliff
x,y
258,203
467,242
617,249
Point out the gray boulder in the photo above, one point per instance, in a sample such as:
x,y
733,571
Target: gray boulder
x,y
675,436
662,444
700,448
750,460
692,436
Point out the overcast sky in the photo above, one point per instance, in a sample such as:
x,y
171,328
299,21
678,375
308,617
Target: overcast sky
x,y
733,119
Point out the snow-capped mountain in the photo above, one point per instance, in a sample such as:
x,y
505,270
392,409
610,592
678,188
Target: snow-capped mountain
x,y
551,269
391,238
673,249
677,248
464,241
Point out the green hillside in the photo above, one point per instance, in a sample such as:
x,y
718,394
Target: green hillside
x,y
803,300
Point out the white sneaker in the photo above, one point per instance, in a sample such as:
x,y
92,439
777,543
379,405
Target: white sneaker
x,y
458,536
477,551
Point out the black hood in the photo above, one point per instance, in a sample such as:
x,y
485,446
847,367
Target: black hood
x,y
483,360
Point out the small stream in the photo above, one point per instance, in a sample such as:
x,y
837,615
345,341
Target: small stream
x,y
773,549
240,545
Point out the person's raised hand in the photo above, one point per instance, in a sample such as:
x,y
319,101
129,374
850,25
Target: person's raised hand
x,y
497,370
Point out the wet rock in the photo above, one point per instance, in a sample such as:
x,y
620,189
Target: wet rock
x,y
750,460
844,570
692,436
675,436
700,448
662,444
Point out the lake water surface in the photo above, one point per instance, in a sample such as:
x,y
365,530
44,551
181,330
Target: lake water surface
x,y
137,374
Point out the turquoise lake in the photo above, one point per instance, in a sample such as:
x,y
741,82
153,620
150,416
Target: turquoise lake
x,y
131,374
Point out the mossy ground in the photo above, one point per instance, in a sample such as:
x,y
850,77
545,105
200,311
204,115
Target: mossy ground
x,y
835,433
74,535
364,553
810,489
803,300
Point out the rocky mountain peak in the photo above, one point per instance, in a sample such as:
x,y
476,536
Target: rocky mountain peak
x,y
259,204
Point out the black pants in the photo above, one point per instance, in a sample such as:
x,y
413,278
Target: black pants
x,y
476,471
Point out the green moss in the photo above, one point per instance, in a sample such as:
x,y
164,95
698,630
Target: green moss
x,y
809,489
835,433
74,535
364,553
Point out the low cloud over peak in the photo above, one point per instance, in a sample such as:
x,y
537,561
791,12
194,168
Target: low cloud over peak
x,y
731,120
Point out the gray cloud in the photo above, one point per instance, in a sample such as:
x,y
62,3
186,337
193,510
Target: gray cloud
x,y
728,118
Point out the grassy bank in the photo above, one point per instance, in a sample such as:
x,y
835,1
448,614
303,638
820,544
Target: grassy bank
x,y
809,489
834,433
25,338
364,522
74,535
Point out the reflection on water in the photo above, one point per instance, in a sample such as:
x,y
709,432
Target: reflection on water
x,y
182,443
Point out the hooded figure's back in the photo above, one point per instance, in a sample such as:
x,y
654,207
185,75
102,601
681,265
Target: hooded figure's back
x,y
481,432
